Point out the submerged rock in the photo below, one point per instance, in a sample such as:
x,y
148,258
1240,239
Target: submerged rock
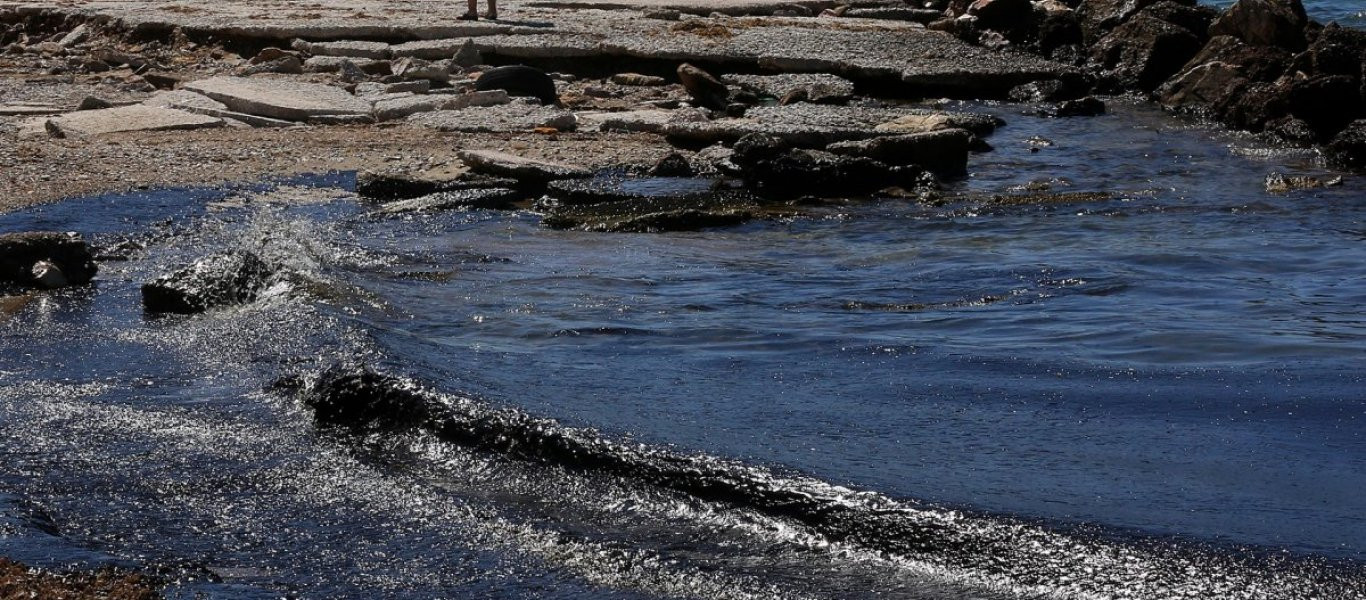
x,y
219,280
45,259
385,187
646,214
361,400
493,198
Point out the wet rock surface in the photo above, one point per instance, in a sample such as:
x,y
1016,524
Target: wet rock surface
x,y
503,164
216,281
45,259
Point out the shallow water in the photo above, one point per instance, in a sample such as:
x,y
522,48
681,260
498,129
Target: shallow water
x,y
1145,397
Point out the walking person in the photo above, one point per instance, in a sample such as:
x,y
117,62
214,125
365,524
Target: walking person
x,y
473,13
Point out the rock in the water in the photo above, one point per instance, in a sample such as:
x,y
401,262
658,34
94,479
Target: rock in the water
x,y
219,280
673,165
1280,183
1348,148
403,186
669,204
1328,103
361,400
447,200
520,80
1277,23
773,168
708,91
42,259
281,99
1083,107
502,164
944,152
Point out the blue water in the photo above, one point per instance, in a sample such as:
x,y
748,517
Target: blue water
x,y
1164,389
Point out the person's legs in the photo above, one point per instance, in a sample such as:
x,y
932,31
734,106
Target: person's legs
x,y
493,10
473,12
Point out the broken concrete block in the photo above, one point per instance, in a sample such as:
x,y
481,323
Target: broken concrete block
x,y
503,164
129,118
281,99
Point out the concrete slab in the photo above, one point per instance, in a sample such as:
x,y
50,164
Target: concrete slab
x,y
816,125
280,99
390,109
129,118
512,117
347,49
818,87
502,164
10,110
649,120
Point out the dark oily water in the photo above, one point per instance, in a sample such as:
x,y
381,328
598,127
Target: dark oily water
x,y
1348,13
1152,396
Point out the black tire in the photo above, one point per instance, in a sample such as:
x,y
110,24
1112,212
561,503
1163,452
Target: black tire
x,y
519,80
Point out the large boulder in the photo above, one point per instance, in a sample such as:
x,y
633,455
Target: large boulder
x,y
45,259
1144,51
358,399
219,280
1099,17
1217,75
1278,23
1338,51
1348,148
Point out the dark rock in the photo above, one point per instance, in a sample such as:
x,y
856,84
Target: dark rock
x,y
1099,17
162,81
1049,90
655,214
1256,63
1293,130
1084,107
1001,15
37,259
1253,106
772,168
1196,19
219,280
1348,147
403,186
360,400
520,80
1144,51
673,165
1338,51
708,91
93,103
1203,88
944,152
1326,103
1056,31
485,198
1279,23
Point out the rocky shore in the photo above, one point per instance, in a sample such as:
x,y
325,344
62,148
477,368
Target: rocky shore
x,y
19,581
114,95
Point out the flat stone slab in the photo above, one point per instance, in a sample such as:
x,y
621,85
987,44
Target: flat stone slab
x,y
130,118
346,48
390,109
649,120
10,110
280,99
502,164
495,119
818,87
184,100
818,125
